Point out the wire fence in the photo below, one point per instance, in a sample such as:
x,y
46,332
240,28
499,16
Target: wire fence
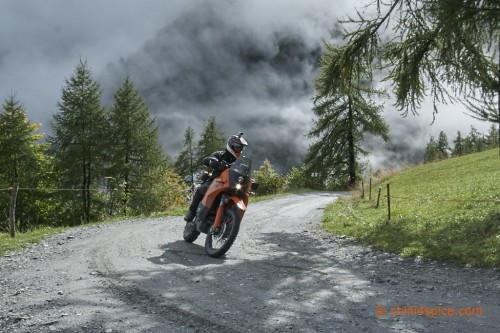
x,y
390,197
171,195
444,200
14,190
49,189
70,189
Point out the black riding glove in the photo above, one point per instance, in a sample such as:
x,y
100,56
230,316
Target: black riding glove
x,y
214,164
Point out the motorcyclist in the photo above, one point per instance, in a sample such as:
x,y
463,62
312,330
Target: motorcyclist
x,y
218,161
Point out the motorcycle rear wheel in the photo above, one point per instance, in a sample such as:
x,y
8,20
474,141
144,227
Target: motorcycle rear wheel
x,y
190,233
218,244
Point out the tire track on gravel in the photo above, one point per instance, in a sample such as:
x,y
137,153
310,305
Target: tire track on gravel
x,y
283,274
143,300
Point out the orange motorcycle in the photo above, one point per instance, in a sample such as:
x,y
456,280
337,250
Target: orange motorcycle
x,y
220,212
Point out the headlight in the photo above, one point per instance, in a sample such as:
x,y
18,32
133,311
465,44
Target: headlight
x,y
240,180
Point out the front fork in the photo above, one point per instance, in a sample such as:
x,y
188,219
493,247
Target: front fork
x,y
218,216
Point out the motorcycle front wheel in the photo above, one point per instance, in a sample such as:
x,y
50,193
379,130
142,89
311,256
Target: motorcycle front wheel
x,y
217,244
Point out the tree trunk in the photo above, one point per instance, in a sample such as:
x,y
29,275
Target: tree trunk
x,y
498,94
191,163
12,210
126,189
352,157
88,194
89,182
84,194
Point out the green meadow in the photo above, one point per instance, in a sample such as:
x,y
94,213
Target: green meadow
x,y
448,210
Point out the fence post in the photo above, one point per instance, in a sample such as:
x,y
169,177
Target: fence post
x,y
370,194
362,189
388,204
12,210
378,197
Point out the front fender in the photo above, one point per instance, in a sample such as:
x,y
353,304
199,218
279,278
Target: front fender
x,y
241,204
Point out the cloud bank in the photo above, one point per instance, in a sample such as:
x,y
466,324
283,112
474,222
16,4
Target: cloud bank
x,y
251,64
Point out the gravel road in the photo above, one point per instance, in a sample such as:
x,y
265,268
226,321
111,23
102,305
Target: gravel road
x,y
283,274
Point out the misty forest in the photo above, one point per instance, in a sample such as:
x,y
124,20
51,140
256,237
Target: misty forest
x,y
101,161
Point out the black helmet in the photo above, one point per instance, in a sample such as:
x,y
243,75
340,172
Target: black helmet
x,y
235,144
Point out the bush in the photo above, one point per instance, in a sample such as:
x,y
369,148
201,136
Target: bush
x,y
295,179
174,193
269,181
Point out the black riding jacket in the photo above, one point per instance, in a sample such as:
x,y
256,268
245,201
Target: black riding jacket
x,y
215,160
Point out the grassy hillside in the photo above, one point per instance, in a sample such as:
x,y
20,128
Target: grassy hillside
x,y
448,210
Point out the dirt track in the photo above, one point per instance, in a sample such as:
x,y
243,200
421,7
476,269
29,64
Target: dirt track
x,y
283,274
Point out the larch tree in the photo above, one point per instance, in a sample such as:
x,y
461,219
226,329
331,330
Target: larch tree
x,y
443,146
17,141
20,154
431,153
345,113
78,140
458,148
211,139
447,50
134,153
472,142
185,163
492,137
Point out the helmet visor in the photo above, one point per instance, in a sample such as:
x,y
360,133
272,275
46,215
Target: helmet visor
x,y
237,148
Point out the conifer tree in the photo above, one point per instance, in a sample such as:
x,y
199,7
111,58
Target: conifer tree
x,y
472,142
212,139
345,113
442,146
458,149
18,147
135,155
20,159
431,153
185,163
78,140
492,137
441,49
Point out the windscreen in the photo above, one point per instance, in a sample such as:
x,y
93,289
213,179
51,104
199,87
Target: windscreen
x,y
242,166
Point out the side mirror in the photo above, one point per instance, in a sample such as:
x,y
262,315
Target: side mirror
x,y
254,186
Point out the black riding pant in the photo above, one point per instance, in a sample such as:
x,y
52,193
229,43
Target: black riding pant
x,y
198,196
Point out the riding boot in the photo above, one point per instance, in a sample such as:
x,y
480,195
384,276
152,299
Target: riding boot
x,y
194,205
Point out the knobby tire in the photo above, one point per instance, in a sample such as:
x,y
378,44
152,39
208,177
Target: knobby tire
x,y
231,215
